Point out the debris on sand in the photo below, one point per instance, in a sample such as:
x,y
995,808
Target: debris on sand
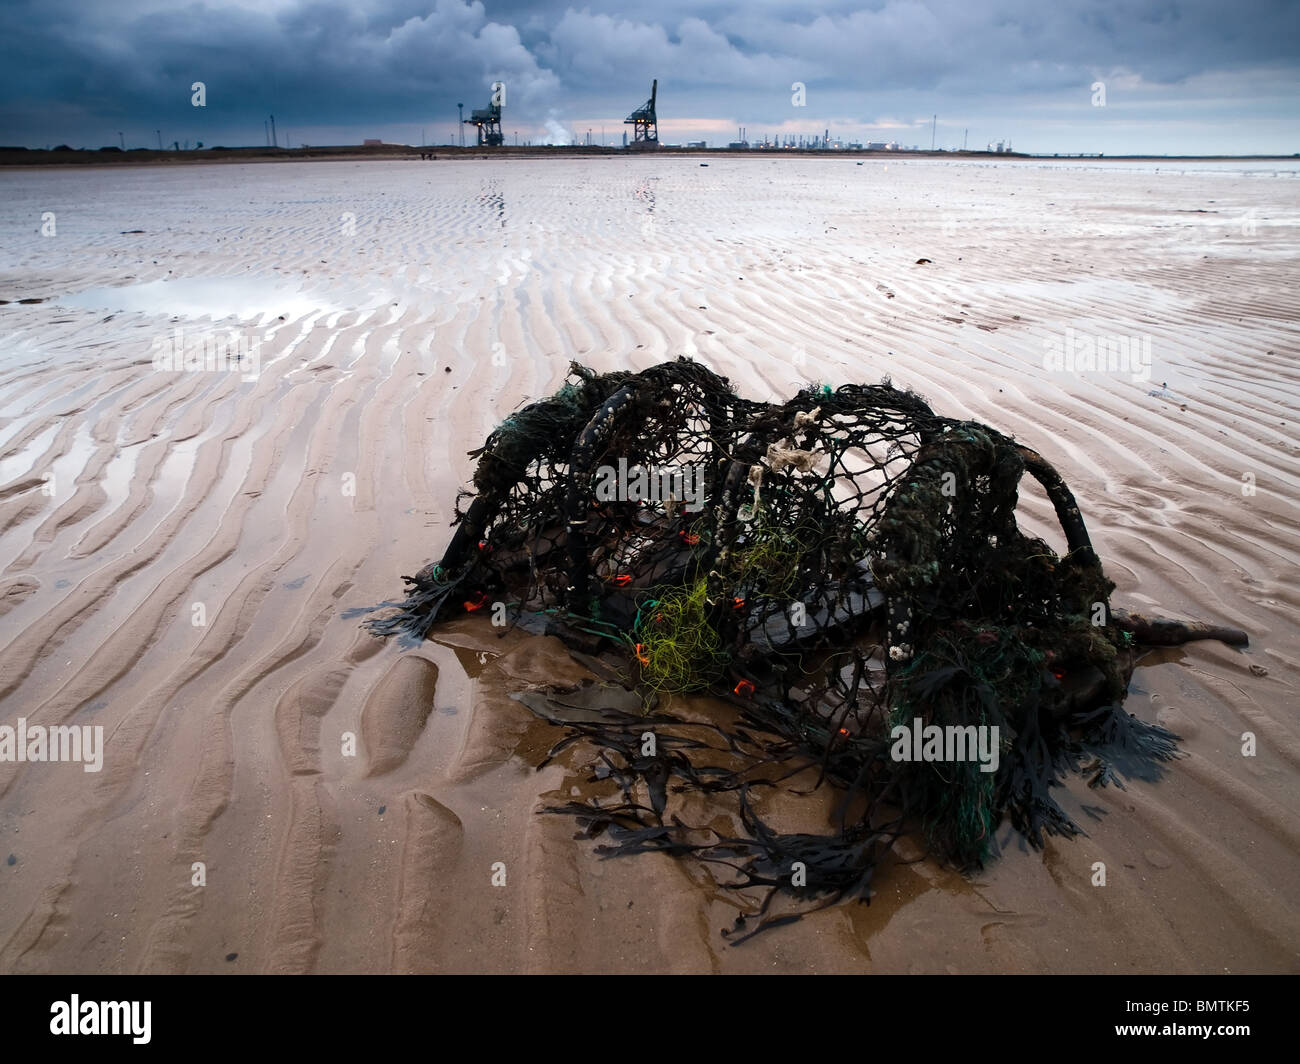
x,y
853,581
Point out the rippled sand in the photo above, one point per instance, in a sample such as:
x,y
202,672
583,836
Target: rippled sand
x,y
396,312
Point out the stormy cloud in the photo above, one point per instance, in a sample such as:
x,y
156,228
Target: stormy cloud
x,y
1179,77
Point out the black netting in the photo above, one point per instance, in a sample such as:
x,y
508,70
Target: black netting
x,y
836,567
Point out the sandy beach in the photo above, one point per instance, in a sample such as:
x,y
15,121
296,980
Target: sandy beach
x,y
180,545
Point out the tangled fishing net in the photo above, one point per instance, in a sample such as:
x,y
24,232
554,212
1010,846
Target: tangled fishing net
x,y
837,567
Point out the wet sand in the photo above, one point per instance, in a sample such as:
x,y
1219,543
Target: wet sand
x,y
178,549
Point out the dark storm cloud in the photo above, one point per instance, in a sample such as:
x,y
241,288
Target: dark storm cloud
x,y
319,62
906,44
78,71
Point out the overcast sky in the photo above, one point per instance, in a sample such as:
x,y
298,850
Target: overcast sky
x,y
1180,76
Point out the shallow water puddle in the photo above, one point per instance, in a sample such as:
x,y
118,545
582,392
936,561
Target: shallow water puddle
x,y
198,297
472,661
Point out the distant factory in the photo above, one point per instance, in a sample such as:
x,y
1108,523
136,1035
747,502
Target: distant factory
x,y
644,134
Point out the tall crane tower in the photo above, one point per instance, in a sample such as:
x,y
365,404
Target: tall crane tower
x,y
645,125
487,121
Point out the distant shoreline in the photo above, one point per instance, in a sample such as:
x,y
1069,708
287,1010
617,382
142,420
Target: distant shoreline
x,y
149,157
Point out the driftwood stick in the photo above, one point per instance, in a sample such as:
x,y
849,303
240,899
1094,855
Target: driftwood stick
x,y
1166,632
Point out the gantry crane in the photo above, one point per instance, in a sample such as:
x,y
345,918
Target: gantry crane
x,y
488,123
645,124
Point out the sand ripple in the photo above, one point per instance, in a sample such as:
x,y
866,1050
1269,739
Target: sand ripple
x,y
177,550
